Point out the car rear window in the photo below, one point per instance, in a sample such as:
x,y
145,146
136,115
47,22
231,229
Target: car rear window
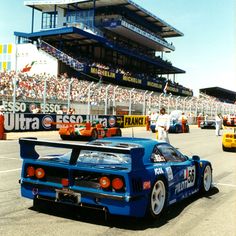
x,y
97,157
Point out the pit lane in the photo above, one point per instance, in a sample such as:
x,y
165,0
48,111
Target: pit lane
x,y
213,214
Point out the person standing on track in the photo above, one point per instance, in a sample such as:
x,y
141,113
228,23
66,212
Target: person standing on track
x,y
163,125
218,120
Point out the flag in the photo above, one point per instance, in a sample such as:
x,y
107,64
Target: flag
x,y
165,88
28,67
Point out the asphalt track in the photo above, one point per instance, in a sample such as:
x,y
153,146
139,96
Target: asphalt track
x,y
213,214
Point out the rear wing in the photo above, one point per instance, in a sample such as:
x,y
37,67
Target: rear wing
x,y
27,150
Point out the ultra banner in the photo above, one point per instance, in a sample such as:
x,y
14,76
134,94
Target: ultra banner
x,y
20,122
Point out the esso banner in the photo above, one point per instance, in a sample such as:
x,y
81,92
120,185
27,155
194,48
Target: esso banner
x,y
20,122
27,107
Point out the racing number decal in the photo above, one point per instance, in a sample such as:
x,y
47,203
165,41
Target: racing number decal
x,y
190,176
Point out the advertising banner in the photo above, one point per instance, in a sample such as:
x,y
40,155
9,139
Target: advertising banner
x,y
21,122
28,107
134,121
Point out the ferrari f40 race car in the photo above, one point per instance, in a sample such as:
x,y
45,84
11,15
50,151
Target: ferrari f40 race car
x,y
88,130
122,176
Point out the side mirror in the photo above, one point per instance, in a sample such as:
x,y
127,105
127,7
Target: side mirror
x,y
196,158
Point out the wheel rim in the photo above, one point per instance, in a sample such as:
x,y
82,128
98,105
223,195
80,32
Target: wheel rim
x,y
158,197
207,178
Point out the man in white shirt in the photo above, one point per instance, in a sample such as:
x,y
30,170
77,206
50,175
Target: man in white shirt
x,y
218,120
163,125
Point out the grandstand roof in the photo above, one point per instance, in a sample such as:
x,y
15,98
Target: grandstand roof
x,y
167,30
220,93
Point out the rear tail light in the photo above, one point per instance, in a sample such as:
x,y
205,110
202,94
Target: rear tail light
x,y
30,171
65,182
105,182
229,136
117,183
39,173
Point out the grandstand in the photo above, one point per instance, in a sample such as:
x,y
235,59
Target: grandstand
x,y
221,94
117,42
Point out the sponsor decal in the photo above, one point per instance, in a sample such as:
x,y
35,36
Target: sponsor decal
x,y
28,67
189,176
158,171
134,121
47,122
146,185
169,173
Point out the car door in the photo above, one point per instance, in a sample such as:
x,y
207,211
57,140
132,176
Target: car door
x,y
183,171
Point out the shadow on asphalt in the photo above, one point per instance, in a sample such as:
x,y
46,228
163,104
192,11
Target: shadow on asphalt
x,y
130,223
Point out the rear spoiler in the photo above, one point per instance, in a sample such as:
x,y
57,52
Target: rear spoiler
x,y
27,150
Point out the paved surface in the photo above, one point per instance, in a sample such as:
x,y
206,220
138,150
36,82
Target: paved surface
x,y
214,214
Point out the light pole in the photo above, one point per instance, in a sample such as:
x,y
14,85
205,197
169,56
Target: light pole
x,y
89,91
44,95
159,101
149,101
14,94
184,104
144,102
106,98
68,93
176,102
114,99
130,102
169,103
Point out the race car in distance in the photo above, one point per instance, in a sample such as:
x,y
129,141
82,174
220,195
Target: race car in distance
x,y
176,127
122,176
208,124
88,130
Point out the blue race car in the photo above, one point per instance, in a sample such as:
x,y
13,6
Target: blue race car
x,y
176,127
123,176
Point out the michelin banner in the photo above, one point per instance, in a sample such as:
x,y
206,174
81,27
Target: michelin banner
x,y
21,122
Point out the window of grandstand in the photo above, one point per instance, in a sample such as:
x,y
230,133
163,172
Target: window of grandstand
x,y
49,20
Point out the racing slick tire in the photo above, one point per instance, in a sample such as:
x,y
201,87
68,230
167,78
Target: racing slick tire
x,y
118,133
158,199
94,134
225,148
64,137
206,179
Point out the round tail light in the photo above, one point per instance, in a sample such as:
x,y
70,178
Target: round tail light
x,y
39,173
117,183
30,171
105,182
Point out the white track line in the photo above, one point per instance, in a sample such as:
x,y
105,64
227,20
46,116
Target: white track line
x,y
228,185
10,158
6,171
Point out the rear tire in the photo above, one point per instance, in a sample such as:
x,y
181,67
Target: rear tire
x,y
158,198
118,133
225,148
64,137
206,179
94,134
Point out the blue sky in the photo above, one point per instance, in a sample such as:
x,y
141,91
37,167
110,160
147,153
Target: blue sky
x,y
207,52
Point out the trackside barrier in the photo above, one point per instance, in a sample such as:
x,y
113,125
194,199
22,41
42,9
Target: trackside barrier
x,y
2,131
